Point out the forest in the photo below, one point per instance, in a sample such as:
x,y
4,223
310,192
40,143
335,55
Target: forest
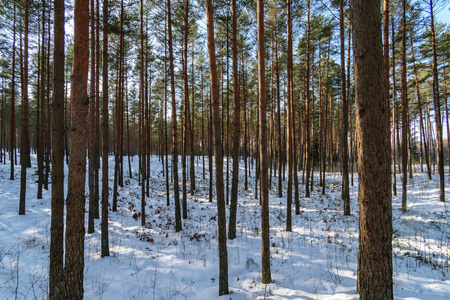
x,y
319,128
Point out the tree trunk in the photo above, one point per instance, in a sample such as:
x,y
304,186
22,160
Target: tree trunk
x,y
290,121
394,154
92,107
236,126
344,133
374,167
24,143
221,220
178,225
244,101
186,131
56,272
404,112
12,123
265,233
74,262
308,100
41,109
105,116
437,107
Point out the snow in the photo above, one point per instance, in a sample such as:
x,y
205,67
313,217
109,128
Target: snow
x,y
317,260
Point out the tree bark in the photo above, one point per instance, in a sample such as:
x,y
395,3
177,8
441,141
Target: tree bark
x,y
265,231
105,116
12,123
74,261
24,143
236,126
437,107
178,225
374,167
221,220
344,133
56,272
307,116
404,112
92,107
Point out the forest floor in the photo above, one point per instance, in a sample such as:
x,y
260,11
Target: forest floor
x,y
317,260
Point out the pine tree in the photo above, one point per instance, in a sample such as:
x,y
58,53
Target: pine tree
x,y
374,162
221,220
74,260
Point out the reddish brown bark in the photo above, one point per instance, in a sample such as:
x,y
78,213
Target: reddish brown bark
x,y
374,158
56,272
74,260
221,220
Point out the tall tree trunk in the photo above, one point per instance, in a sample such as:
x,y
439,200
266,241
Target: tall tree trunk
x,y
41,111
236,126
404,111
142,126
192,117
24,143
244,101
437,107
118,140
308,100
186,131
386,57
105,116
12,123
280,148
74,260
92,106
221,220
265,233
344,133
394,154
178,225
49,123
419,101
56,272
203,129
290,115
374,167
97,149
166,142
210,152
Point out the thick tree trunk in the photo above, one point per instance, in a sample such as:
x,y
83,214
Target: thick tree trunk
x,y
221,220
374,167
56,272
74,261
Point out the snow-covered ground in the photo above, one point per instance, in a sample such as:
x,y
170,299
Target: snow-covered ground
x,y
317,260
